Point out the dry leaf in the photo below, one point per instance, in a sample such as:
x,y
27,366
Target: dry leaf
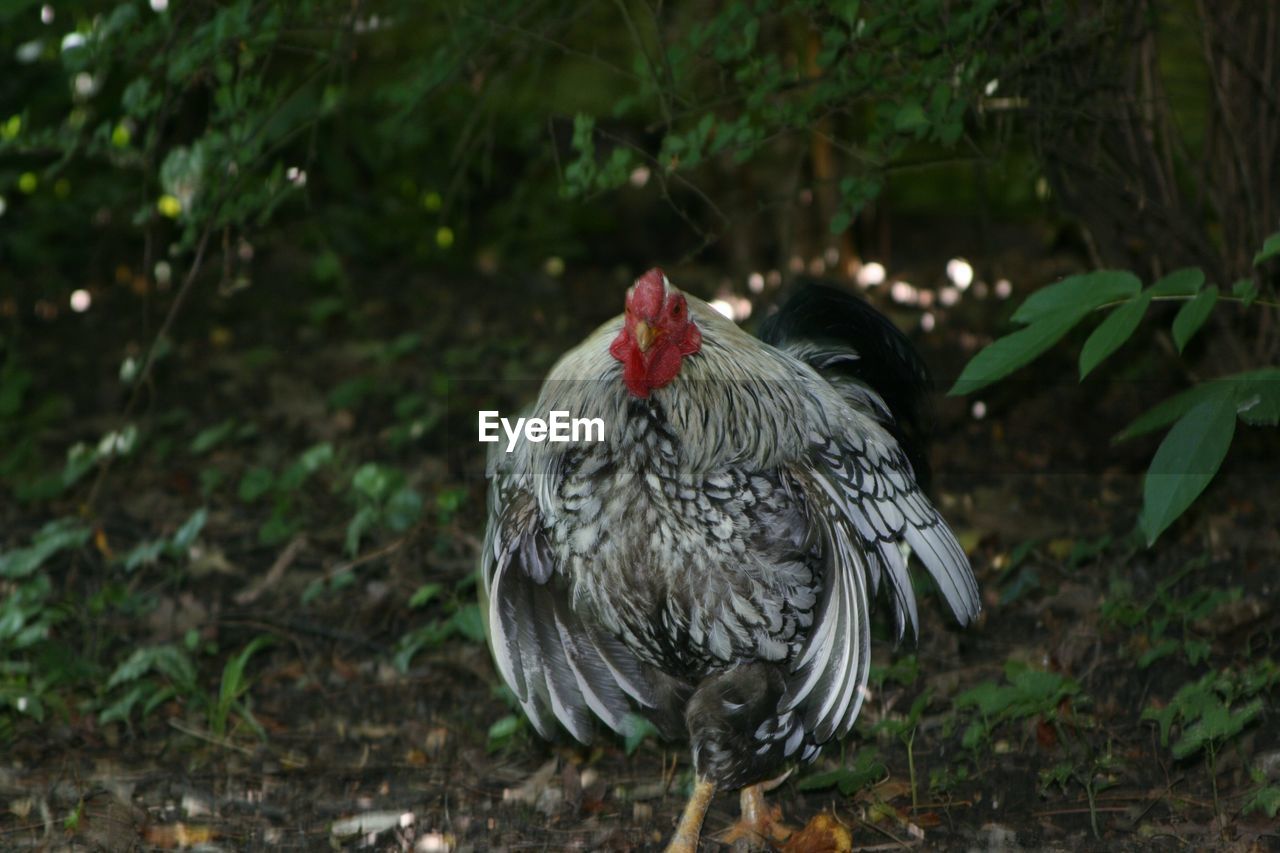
x,y
823,834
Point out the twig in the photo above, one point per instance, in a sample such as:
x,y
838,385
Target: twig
x,y
273,575
390,548
205,736
658,89
144,374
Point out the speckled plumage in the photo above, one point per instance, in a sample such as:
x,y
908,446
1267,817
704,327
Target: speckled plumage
x,y
712,563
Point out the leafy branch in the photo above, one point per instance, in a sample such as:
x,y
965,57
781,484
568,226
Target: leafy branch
x,y
1201,421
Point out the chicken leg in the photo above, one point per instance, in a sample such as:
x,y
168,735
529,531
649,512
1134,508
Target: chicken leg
x,y
686,838
759,822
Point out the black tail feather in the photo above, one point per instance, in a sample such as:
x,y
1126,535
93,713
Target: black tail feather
x,y
887,363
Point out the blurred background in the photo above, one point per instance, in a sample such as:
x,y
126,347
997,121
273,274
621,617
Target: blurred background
x,y
261,262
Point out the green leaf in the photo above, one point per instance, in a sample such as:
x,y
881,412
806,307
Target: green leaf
x,y
1246,290
1078,293
1185,462
469,622
58,535
1169,410
423,594
1112,332
503,729
1003,356
1192,316
1216,725
278,527
427,636
1255,393
1183,282
212,436
80,458
144,553
638,730
316,457
233,684
188,532
1258,397
255,483
363,521
910,117
166,659
1164,648
865,772
1265,799
1270,248
372,480
403,509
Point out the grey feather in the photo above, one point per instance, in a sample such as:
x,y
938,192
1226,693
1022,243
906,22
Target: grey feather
x,y
745,514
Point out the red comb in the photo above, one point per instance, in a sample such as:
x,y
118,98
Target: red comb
x,y
649,294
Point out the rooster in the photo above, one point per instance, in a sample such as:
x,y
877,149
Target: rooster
x,y
711,564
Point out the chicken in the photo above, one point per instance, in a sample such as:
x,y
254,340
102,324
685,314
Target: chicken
x,y
710,565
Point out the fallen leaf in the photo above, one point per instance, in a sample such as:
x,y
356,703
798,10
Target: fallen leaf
x,y
368,823
175,835
822,834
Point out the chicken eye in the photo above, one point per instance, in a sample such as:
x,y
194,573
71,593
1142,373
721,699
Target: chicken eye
x,y
677,310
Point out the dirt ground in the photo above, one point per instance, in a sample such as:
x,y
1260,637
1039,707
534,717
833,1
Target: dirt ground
x,y
357,754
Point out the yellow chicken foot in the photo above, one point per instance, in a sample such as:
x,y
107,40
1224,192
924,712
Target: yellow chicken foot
x,y
686,838
759,822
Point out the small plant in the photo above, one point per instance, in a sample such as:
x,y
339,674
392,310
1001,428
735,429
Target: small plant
x,y
232,690
503,730
1029,693
176,546
1212,711
27,618
904,670
943,781
382,499
904,729
1164,613
261,482
1095,776
866,770
638,730
1265,798
464,618
149,677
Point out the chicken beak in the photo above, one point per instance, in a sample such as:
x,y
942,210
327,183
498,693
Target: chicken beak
x,y
644,334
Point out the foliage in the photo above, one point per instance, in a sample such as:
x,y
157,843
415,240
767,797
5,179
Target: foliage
x,y
865,771
904,729
28,616
149,551
283,490
1203,418
1029,693
1095,777
1208,710
463,617
1212,712
232,691
751,84
1164,612
201,130
638,730
1265,798
382,498
504,729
